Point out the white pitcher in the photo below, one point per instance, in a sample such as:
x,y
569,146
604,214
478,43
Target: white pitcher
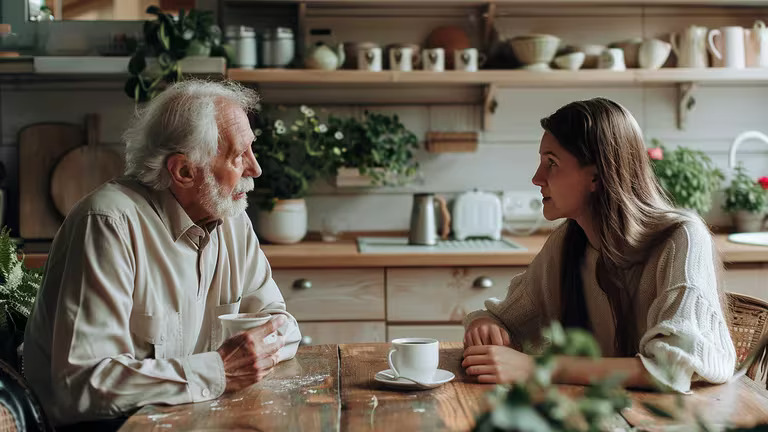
x,y
756,41
690,47
733,53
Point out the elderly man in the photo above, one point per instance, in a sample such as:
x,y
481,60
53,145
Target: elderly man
x,y
141,269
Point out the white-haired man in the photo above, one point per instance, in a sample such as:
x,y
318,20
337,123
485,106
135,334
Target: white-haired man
x,y
141,269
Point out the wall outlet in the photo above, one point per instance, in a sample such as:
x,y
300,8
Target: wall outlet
x,y
521,205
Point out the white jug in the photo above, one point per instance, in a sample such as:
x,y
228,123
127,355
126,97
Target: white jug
x,y
690,47
732,53
756,41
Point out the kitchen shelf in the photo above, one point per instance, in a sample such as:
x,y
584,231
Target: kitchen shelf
x,y
685,79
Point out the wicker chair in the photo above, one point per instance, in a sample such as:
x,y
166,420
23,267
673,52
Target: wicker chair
x,y
19,408
748,325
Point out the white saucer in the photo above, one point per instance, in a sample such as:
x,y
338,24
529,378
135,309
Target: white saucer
x,y
441,377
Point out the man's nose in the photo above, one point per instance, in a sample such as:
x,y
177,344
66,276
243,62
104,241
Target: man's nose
x,y
253,169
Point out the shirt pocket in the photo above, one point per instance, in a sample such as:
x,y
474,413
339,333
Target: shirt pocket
x,y
216,330
162,331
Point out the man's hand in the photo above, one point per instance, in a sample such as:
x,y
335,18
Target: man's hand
x,y
485,331
497,364
247,358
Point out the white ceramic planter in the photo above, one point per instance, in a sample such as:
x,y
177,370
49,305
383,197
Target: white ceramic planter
x,y
285,224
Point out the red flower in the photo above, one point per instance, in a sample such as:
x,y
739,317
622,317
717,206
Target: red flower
x,y
763,182
656,153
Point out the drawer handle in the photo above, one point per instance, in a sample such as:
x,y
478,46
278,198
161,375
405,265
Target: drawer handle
x,y
302,284
305,340
482,282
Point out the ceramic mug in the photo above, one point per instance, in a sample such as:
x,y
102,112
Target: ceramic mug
x,y
654,53
401,59
433,59
468,59
232,324
612,59
731,50
756,45
369,59
415,358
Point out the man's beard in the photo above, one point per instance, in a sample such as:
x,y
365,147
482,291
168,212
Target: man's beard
x,y
218,202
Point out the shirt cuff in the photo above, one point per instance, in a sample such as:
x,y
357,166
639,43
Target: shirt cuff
x,y
675,376
205,376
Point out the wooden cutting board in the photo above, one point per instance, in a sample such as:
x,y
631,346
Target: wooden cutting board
x,y
83,169
40,147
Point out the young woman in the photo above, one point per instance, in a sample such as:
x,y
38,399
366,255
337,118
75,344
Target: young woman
x,y
626,265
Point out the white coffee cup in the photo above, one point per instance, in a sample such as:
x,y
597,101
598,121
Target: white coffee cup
x,y
433,59
401,58
654,53
232,324
612,59
414,358
731,48
369,59
467,60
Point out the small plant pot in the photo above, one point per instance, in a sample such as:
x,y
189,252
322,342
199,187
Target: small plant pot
x,y
285,224
746,221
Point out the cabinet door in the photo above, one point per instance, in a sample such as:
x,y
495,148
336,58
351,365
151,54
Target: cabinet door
x,y
443,333
320,333
747,278
332,295
443,294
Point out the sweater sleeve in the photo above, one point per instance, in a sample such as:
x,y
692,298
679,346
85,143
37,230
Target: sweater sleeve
x,y
687,336
532,299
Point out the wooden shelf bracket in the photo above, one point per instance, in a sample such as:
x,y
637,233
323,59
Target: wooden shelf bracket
x,y
489,104
686,102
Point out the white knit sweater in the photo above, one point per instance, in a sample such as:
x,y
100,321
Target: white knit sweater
x,y
676,304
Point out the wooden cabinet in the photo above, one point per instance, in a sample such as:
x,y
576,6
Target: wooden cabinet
x,y
333,294
319,333
443,294
441,332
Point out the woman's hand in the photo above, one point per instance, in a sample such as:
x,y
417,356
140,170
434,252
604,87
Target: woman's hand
x,y
497,364
485,331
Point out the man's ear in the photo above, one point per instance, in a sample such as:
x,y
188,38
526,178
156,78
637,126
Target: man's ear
x,y
182,173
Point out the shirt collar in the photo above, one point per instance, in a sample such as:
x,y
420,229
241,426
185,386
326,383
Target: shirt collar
x,y
175,218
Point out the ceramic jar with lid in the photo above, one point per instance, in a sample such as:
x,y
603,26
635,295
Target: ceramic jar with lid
x,y
243,40
277,47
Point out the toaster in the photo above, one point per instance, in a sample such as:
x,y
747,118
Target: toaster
x,y
477,214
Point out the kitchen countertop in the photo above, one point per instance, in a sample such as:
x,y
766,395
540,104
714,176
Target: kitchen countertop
x,y
316,254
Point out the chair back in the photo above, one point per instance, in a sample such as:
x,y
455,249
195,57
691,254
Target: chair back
x,y
748,325
19,408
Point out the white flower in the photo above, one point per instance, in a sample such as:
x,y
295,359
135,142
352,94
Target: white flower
x,y
304,109
299,123
310,112
338,135
294,128
336,151
279,124
257,107
280,130
322,128
257,132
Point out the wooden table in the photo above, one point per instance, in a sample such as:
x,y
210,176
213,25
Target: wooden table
x,y
330,387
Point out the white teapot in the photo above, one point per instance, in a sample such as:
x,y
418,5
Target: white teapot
x,y
321,56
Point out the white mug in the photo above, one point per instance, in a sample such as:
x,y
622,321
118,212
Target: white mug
x,y
401,59
756,41
653,53
467,60
612,59
414,358
433,59
232,324
369,59
733,52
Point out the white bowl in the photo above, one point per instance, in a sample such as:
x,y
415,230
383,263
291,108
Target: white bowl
x,y
535,51
592,53
572,61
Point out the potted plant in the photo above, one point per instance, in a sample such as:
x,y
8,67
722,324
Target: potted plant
x,y
747,200
169,39
292,154
379,148
18,289
688,176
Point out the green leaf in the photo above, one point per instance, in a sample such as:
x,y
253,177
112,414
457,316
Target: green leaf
x,y
138,63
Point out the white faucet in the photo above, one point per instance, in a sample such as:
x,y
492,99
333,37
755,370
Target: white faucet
x,y
741,138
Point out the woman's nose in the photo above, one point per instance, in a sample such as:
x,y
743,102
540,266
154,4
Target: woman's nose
x,y
538,178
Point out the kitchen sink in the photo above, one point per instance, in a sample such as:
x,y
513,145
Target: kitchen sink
x,y
753,238
399,245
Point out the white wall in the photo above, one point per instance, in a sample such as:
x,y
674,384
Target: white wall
x,y
507,155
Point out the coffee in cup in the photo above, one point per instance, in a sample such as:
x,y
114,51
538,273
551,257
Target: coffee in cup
x,y
232,324
415,358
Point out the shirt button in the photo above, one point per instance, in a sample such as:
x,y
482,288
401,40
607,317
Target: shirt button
x,y
206,392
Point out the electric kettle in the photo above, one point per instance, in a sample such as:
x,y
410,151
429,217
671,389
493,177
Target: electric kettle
x,y
424,219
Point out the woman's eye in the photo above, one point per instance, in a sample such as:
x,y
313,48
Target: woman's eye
x,y
551,163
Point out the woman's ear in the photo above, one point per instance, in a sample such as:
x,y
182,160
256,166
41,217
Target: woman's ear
x,y
182,173
595,180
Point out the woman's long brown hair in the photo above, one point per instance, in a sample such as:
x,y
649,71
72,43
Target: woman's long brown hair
x,y
630,211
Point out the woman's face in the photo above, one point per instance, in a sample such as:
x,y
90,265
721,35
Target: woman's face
x,y
565,185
